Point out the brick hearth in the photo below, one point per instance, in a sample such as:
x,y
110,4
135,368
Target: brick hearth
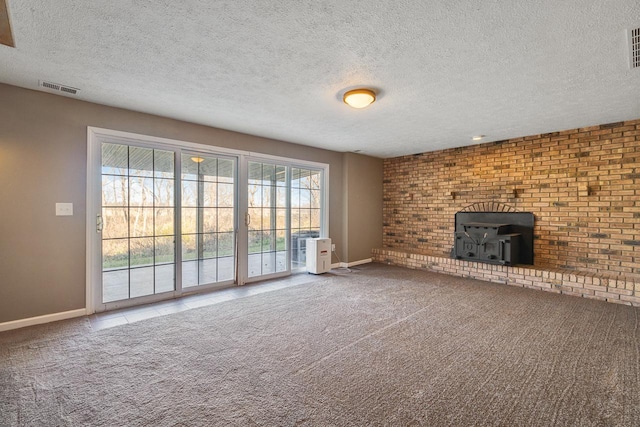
x,y
616,289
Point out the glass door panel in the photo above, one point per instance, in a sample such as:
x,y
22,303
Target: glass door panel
x,y
138,207
208,210
267,220
305,212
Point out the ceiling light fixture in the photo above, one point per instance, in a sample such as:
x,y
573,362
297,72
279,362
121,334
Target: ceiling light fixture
x,y
197,159
359,98
478,137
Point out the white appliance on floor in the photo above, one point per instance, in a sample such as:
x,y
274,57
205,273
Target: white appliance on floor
x,y
318,255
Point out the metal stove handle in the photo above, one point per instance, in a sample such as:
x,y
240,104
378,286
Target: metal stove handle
x,y
483,239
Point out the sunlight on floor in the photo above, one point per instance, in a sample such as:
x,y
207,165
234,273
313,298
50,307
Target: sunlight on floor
x,y
129,315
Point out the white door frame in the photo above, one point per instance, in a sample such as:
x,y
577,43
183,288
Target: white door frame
x,y
95,138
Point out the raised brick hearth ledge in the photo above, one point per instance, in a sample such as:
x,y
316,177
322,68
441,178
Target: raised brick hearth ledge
x,y
615,288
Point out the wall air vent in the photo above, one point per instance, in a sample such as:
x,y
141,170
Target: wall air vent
x,y
55,87
634,48
50,86
70,90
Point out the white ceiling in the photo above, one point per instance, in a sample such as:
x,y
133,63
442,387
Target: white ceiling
x,y
444,70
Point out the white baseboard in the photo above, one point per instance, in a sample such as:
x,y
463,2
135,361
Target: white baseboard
x,y
351,264
360,262
38,320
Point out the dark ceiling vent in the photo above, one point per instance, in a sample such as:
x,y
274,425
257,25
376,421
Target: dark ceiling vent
x,y
55,87
634,48
50,86
68,90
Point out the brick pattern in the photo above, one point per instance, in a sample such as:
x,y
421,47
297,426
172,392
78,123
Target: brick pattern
x,y
618,289
583,185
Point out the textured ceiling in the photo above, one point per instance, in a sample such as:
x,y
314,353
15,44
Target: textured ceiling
x,y
444,71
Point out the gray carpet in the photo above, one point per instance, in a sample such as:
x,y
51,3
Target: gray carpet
x,y
379,346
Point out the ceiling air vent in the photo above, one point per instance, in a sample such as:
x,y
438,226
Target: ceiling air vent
x,y
68,90
55,87
634,48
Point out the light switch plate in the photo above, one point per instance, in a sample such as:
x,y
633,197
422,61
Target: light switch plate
x,y
64,209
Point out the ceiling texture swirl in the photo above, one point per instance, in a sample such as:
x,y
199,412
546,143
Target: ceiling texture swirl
x,y
442,71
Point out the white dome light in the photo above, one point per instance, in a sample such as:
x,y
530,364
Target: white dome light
x,y
359,98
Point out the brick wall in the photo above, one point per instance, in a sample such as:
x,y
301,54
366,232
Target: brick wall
x,y
583,185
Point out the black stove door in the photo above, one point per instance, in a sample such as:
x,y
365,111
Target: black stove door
x,y
492,250
465,248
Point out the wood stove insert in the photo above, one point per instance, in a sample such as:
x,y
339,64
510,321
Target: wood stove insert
x,y
494,237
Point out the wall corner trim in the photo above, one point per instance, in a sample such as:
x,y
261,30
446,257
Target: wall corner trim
x,y
38,320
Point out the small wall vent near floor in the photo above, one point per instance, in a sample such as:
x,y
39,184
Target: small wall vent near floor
x,y
634,48
56,87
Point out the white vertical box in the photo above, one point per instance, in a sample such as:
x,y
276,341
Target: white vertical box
x,y
318,255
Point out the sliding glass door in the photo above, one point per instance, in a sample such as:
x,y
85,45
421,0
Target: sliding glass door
x,y
142,214
208,212
306,213
284,209
137,220
267,219
170,218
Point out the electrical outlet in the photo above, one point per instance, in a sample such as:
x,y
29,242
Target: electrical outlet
x,y
333,247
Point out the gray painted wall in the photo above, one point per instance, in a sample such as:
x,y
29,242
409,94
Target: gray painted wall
x,y
43,149
363,202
